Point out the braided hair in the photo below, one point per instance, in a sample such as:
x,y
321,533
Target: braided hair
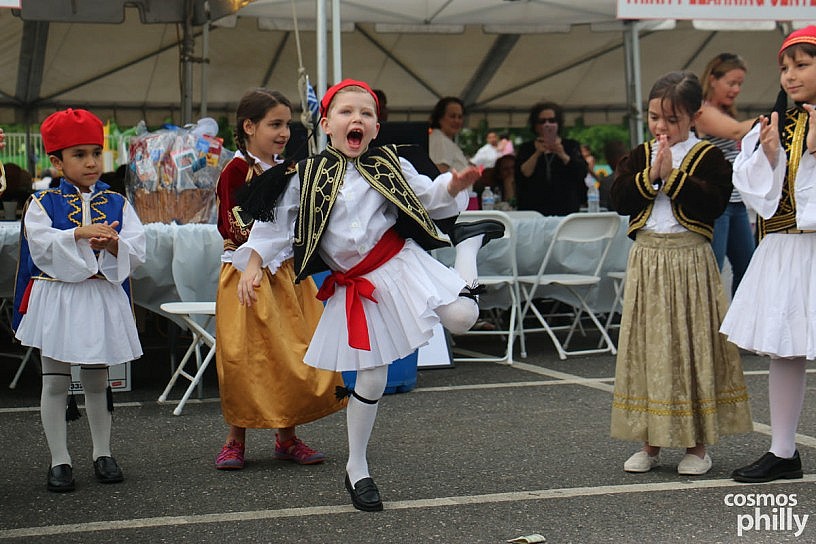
x,y
253,107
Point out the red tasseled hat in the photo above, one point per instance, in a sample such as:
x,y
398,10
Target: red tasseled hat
x,y
329,96
803,35
71,127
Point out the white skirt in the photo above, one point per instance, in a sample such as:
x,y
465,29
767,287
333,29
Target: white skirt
x,y
89,322
408,289
774,309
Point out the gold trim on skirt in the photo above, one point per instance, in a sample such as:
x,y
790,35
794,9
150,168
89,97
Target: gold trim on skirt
x,y
262,378
678,381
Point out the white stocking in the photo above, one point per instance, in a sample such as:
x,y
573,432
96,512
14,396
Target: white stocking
x,y
360,416
786,393
95,382
56,381
465,262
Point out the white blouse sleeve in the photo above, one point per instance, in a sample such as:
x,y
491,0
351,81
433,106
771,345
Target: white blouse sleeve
x,y
805,193
272,240
131,252
433,193
759,184
54,251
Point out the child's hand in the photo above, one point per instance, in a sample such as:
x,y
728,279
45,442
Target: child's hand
x,y
769,136
249,282
97,232
662,167
462,180
811,136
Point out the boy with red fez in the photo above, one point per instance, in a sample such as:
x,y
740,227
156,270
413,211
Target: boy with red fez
x,y
80,242
367,215
773,308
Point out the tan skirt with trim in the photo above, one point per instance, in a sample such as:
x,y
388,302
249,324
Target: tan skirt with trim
x,y
678,382
262,378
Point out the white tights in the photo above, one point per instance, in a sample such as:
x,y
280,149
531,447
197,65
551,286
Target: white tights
x,y
56,382
461,314
370,384
786,394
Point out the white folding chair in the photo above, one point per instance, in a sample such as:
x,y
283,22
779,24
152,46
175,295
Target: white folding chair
x,y
187,312
507,279
575,230
618,279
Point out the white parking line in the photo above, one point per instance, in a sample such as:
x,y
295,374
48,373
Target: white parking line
x,y
440,502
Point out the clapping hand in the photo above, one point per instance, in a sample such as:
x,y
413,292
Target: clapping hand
x,y
769,136
662,166
462,180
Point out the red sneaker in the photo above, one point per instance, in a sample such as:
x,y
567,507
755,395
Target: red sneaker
x,y
295,450
231,456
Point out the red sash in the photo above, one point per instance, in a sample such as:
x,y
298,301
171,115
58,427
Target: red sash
x,y
358,287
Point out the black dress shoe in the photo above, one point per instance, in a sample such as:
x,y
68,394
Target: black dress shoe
x,y
107,471
491,229
769,467
365,495
60,478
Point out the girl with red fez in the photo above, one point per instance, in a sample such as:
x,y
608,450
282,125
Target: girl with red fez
x,y
773,308
367,215
80,243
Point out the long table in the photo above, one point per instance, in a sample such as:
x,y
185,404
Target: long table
x,y
183,261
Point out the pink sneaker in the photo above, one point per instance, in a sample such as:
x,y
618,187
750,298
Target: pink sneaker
x,y
231,456
295,450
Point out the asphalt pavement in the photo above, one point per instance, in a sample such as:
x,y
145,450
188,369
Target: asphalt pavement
x,y
476,453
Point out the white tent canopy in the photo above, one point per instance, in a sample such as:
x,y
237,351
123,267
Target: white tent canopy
x,y
500,56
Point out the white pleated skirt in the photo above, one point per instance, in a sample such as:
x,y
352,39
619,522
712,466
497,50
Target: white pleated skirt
x,y
408,289
774,309
89,322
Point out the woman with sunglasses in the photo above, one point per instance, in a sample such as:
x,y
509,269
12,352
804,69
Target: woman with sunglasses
x,y
722,81
550,170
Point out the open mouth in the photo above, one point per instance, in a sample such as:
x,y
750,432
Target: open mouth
x,y
355,137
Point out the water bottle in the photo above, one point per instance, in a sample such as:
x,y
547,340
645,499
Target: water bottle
x,y
473,200
488,199
593,198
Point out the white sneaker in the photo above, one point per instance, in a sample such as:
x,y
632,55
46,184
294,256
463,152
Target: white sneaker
x,y
691,465
641,462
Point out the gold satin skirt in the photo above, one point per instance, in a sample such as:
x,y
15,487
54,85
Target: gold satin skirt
x,y
678,381
262,378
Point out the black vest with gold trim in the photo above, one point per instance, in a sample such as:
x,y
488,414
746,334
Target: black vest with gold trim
x,y
690,164
793,131
321,178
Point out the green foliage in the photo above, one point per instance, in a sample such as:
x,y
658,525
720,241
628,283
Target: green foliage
x,y
596,136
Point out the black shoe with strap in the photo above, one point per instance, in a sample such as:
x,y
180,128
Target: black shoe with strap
x,y
364,495
769,467
60,478
490,228
107,470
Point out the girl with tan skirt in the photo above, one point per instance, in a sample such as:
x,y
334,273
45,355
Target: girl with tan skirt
x,y
678,382
262,378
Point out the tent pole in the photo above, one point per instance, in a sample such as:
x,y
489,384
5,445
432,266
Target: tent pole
x,y
322,62
337,46
187,65
205,59
634,98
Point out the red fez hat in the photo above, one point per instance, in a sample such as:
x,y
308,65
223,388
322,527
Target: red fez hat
x,y
803,35
329,96
71,127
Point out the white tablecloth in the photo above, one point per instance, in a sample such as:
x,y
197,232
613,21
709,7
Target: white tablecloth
x,y
183,263
534,233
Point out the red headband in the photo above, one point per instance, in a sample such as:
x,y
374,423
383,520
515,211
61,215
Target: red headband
x,y
71,127
803,35
333,90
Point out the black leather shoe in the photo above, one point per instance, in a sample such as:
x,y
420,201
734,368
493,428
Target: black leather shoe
x,y
769,467
365,495
60,478
107,471
491,229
